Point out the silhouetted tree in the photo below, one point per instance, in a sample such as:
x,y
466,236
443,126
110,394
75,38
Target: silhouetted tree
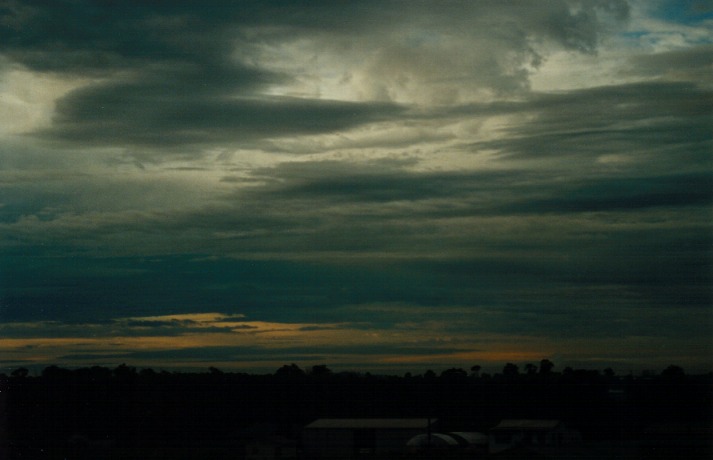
x,y
20,372
475,370
290,371
125,372
546,366
148,372
99,374
530,369
510,370
215,371
454,374
673,372
321,370
55,372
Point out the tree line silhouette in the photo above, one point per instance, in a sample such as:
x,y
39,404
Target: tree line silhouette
x,y
159,414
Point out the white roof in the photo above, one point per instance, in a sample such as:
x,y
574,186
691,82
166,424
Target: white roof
x,y
527,424
370,423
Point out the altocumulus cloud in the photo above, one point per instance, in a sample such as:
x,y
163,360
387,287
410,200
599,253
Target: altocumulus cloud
x,y
246,184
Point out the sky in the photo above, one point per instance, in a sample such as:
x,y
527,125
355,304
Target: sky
x,y
383,186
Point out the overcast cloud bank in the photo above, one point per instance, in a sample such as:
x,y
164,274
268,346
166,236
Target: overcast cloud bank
x,y
366,184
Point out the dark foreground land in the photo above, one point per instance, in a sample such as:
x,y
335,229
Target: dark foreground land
x,y
125,413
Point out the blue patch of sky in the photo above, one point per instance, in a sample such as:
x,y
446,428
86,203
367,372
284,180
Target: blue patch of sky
x,y
689,12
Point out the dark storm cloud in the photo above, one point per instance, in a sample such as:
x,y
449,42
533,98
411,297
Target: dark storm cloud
x,y
642,118
327,206
376,182
102,36
185,87
487,193
185,72
155,116
574,271
624,193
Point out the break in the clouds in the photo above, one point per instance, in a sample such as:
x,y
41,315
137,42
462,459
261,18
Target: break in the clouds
x,y
371,185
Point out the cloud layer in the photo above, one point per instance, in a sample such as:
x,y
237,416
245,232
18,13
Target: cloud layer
x,y
363,184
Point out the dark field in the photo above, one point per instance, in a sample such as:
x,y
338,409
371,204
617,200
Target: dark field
x,y
125,413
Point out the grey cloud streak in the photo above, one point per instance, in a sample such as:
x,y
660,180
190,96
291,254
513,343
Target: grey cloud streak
x,y
665,121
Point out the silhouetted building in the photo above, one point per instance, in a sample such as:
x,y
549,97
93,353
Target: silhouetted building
x,y
359,438
509,434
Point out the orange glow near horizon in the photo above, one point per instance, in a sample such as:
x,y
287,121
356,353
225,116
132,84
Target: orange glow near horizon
x,y
279,343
